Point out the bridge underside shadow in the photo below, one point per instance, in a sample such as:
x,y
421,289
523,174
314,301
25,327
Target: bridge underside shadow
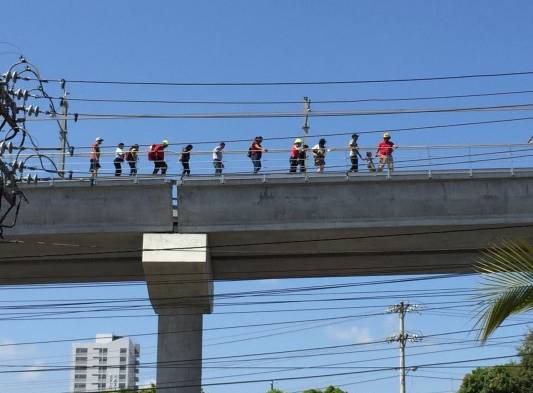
x,y
258,254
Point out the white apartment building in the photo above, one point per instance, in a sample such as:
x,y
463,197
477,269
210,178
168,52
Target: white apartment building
x,y
109,363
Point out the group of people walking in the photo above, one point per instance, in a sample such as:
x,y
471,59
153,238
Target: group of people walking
x,y
131,156
297,157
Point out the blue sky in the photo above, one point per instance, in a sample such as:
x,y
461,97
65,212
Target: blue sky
x,y
231,41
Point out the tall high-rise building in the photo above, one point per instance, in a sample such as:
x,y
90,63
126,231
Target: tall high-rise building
x,y
109,363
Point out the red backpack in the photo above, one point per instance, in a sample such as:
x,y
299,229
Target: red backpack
x,y
152,153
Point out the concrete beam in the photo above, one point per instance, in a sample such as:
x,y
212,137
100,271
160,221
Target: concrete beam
x,y
67,207
355,202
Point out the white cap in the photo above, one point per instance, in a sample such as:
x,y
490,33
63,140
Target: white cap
x,y
99,139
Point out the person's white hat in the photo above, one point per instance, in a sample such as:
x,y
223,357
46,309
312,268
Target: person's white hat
x,y
98,139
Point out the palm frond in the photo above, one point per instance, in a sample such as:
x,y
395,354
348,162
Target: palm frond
x,y
507,289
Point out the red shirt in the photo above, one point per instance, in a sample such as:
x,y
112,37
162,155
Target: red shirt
x,y
159,153
295,151
385,148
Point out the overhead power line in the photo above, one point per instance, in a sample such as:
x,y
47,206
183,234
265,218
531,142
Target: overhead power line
x,y
285,102
340,133
11,344
296,114
292,83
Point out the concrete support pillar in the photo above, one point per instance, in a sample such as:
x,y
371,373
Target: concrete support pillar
x,y
179,353
177,268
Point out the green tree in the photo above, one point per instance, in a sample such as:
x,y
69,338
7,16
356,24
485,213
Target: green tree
x,y
508,286
525,351
329,389
507,378
490,380
333,389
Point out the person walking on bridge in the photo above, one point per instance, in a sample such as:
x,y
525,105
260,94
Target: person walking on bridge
x,y
185,158
294,158
95,157
384,153
119,159
132,157
319,153
157,155
217,158
354,153
255,152
302,158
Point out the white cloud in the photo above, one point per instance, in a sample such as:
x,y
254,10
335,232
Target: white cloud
x,y
30,373
12,352
353,334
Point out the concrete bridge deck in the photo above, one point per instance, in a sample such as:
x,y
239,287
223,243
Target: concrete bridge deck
x,y
275,226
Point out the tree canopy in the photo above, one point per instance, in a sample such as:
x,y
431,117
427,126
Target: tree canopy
x,y
329,389
507,378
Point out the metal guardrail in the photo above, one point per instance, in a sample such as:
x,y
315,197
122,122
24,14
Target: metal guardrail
x,y
428,160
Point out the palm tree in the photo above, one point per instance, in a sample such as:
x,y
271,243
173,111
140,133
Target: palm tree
x,y
507,271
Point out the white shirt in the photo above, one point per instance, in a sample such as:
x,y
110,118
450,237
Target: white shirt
x,y
217,153
321,150
119,153
353,147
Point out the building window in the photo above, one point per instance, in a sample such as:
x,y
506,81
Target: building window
x,y
80,359
122,368
123,350
123,358
80,376
121,385
81,350
79,386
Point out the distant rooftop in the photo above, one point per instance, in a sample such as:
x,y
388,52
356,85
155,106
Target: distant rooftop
x,y
106,337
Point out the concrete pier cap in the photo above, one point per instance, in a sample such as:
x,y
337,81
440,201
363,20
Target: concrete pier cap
x,y
178,272
180,283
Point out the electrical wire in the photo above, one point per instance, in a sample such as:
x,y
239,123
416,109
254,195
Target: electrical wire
x,y
291,83
259,115
282,102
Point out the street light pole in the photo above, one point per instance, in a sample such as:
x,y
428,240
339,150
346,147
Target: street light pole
x,y
307,109
63,129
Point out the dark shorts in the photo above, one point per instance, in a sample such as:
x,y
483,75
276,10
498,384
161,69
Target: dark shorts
x,y
319,161
95,165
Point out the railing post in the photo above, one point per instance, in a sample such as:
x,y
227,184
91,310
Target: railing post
x,y
430,162
470,160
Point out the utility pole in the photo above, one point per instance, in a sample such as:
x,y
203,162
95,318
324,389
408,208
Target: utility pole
x,y
63,129
271,385
402,337
307,109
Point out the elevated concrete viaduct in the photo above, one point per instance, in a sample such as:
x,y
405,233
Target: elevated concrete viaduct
x,y
252,228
